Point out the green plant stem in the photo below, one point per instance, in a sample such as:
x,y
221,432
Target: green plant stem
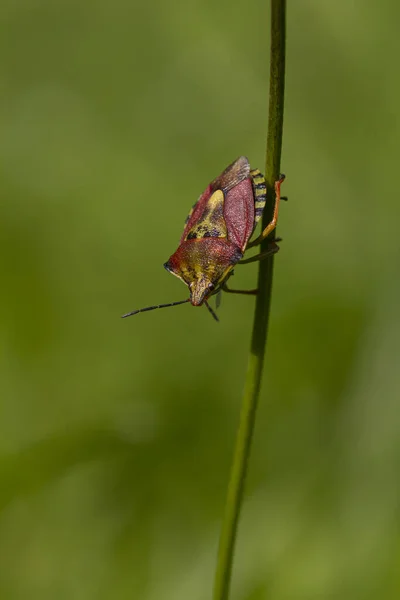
x,y
261,315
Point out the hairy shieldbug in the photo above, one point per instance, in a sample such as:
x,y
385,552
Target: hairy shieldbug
x,y
217,233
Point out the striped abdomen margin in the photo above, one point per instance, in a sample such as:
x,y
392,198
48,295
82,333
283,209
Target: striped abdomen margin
x,y
260,193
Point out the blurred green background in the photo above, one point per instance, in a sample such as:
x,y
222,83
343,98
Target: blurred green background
x,y
116,436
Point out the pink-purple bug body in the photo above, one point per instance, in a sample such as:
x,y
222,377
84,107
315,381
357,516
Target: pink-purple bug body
x,y
217,233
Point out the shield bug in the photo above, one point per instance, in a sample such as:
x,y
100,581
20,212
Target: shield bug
x,y
217,234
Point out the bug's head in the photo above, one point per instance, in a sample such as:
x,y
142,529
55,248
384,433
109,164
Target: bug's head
x,y
202,264
201,284
200,289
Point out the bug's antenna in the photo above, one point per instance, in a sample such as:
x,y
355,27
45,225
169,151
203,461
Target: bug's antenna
x,y
135,312
211,311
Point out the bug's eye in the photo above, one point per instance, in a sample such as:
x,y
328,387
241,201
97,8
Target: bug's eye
x,y
211,286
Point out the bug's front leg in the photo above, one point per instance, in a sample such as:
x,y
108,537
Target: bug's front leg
x,y
272,249
246,292
271,226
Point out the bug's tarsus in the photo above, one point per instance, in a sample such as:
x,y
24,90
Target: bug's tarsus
x,y
210,310
135,312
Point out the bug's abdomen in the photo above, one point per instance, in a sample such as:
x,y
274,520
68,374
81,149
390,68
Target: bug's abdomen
x,y
260,193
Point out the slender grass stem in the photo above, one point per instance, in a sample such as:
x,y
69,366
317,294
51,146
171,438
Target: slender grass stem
x,y
262,310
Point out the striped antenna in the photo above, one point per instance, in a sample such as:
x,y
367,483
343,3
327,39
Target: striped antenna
x,y
211,311
135,312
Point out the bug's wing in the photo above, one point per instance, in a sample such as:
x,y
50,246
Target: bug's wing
x,y
206,217
234,174
196,212
239,213
211,222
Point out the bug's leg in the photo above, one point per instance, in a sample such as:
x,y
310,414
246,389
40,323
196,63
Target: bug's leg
x,y
246,292
271,226
273,249
210,310
218,299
